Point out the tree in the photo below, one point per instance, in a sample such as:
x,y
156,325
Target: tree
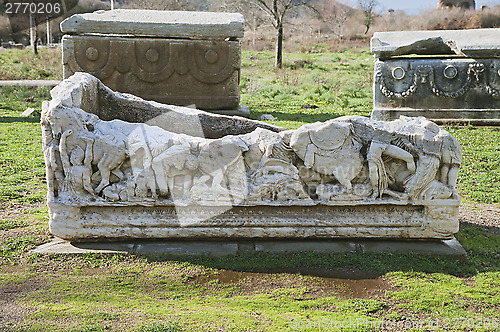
x,y
277,10
334,16
368,8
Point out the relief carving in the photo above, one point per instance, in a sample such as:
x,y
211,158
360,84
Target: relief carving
x,y
345,159
476,75
322,179
153,60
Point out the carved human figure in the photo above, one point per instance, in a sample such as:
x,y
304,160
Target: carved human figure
x,y
55,175
216,157
379,147
451,160
330,148
77,166
141,162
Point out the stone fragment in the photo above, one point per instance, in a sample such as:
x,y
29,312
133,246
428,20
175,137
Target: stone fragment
x,y
267,117
458,83
232,247
472,43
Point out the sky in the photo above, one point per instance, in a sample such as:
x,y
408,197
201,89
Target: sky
x,y
415,6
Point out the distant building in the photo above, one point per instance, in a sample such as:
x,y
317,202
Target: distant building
x,y
466,4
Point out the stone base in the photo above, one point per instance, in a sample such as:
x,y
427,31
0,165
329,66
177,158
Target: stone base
x,y
384,219
475,117
221,248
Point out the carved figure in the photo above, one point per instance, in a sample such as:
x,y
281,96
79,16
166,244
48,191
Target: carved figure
x,y
215,158
108,151
378,175
345,159
330,148
174,163
77,166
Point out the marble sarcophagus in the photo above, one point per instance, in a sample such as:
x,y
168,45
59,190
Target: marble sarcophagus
x,y
120,167
173,57
447,76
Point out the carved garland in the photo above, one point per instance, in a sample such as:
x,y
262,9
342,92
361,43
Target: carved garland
x,y
426,73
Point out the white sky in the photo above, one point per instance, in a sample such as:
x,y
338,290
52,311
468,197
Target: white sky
x,y
415,6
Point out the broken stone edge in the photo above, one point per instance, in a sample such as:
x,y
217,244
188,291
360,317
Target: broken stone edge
x,y
470,43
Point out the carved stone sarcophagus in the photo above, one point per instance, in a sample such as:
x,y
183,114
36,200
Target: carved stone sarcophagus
x,y
121,167
455,78
180,58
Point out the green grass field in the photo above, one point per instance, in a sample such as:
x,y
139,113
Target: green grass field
x,y
246,292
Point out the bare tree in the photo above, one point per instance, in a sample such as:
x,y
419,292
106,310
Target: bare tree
x,y
277,11
368,8
334,16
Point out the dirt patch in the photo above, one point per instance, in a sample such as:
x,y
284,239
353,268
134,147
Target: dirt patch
x,y
252,283
481,214
9,211
11,311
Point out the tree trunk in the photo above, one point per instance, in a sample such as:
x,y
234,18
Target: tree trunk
x,y
279,46
33,34
49,39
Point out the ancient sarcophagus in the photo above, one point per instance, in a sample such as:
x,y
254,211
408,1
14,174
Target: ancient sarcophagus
x,y
456,78
179,58
121,167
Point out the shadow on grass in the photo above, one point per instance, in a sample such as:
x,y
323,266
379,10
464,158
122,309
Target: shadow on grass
x,y
482,244
349,265
12,119
298,116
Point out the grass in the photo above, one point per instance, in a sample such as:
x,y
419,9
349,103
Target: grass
x,y
271,292
24,65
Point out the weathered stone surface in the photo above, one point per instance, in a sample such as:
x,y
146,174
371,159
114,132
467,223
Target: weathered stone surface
x,y
473,43
227,247
348,177
203,73
86,92
157,23
439,89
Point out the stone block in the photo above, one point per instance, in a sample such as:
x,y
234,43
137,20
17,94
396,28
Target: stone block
x,y
230,247
440,89
140,52
474,43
